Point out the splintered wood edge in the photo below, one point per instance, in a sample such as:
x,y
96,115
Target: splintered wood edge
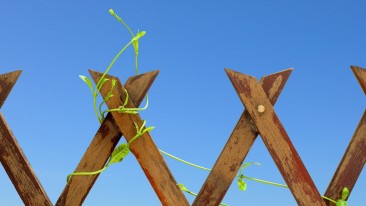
x,y
7,82
360,74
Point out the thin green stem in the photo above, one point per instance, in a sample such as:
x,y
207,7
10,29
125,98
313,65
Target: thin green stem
x,y
121,20
265,182
95,107
113,61
327,198
136,63
86,173
185,162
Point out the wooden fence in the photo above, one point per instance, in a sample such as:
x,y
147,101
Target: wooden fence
x,y
259,118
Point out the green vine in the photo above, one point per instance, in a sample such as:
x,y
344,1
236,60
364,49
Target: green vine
x,y
120,152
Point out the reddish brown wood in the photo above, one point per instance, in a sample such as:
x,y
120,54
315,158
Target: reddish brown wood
x,y
353,161
7,81
102,145
19,170
351,165
144,148
237,147
276,139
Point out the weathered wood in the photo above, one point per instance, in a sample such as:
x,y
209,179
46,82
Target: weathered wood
x,y
360,74
19,170
144,148
7,82
351,165
237,147
353,161
102,146
276,139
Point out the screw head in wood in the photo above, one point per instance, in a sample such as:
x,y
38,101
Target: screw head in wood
x,y
261,108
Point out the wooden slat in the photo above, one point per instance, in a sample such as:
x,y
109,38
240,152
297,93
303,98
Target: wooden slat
x,y
19,170
276,139
144,149
237,147
7,81
360,74
102,145
351,165
353,161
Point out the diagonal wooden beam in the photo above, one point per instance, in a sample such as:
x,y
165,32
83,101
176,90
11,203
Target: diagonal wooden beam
x,y
19,170
237,147
12,157
102,145
353,161
7,81
144,148
276,139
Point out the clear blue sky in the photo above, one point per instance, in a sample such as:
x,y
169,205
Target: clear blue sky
x,y
192,102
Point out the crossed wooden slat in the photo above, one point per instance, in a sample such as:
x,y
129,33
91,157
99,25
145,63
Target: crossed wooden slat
x,y
353,161
237,147
12,157
259,117
258,99
108,136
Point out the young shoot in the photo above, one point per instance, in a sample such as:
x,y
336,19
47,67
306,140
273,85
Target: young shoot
x,y
342,201
134,41
184,189
119,153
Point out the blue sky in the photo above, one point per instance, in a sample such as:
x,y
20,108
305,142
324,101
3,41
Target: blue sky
x,y
192,102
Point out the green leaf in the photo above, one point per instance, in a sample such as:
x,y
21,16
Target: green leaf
x,y
182,187
341,203
242,185
139,35
101,83
87,81
148,129
119,153
345,193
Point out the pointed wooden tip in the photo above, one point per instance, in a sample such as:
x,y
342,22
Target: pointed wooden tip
x,y
7,81
234,74
360,74
141,84
240,81
273,84
97,75
137,86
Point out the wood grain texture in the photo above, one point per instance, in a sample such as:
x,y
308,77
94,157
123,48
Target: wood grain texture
x,y
351,165
7,81
276,139
102,146
237,147
353,161
144,148
19,170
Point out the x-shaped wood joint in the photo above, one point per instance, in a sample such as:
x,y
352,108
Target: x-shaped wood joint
x,y
113,127
259,106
